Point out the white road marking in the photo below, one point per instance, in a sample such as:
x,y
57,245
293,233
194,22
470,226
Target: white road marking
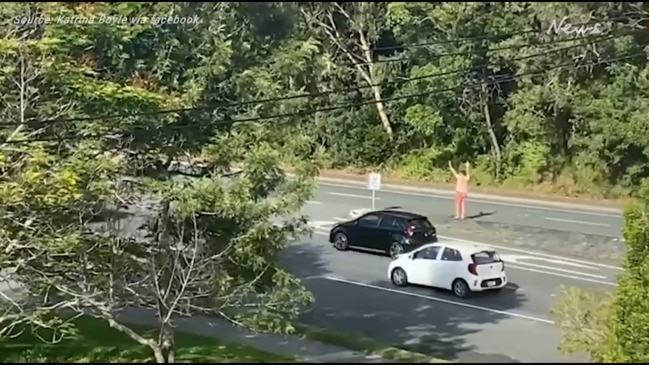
x,y
538,254
576,222
524,258
312,277
354,196
494,202
339,219
440,300
558,270
321,223
313,202
510,266
565,263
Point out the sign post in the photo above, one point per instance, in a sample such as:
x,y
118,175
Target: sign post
x,y
374,184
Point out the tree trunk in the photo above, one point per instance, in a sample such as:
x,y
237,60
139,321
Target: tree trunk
x,y
164,351
376,90
495,146
380,108
164,355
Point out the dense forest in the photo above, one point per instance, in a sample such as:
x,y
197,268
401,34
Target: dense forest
x,y
101,100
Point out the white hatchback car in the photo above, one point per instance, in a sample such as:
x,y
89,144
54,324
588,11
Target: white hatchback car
x,y
462,268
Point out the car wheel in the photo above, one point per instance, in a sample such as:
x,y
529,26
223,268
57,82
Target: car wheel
x,y
399,277
395,250
461,288
340,241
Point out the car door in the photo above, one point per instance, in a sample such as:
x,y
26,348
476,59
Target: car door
x,y
385,234
447,268
365,231
421,267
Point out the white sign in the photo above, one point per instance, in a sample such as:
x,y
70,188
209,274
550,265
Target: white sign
x,y
563,27
374,181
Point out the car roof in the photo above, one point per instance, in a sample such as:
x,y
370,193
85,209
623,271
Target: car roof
x,y
462,246
400,213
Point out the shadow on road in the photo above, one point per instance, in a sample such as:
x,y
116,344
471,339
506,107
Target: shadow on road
x,y
353,295
480,215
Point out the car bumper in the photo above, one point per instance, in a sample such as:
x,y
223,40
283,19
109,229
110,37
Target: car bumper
x,y
478,285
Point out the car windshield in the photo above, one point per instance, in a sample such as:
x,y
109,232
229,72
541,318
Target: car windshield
x,y
421,224
485,257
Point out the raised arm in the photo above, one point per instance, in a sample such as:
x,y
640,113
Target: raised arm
x,y
468,175
450,166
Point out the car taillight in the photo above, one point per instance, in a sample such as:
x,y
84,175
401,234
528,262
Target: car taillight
x,y
410,231
473,269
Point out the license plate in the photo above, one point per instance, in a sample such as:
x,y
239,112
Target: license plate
x,y
491,283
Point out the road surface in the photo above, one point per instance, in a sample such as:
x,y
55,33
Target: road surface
x,y
441,206
353,293
577,233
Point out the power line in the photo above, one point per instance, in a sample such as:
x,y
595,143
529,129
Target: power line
x,y
513,46
346,106
299,96
486,36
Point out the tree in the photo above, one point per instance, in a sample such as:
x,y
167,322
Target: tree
x,y
613,326
351,30
212,244
629,326
583,317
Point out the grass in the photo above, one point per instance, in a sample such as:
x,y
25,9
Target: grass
x,y
362,344
97,342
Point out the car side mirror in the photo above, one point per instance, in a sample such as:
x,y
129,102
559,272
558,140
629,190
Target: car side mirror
x,y
412,257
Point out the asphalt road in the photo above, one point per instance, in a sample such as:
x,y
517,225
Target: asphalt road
x,y
441,207
353,293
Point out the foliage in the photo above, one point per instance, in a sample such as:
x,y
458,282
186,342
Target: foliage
x,y
629,327
515,103
211,238
98,343
583,317
613,326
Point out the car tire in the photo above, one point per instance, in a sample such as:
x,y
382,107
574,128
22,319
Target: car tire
x,y
398,277
460,288
395,250
341,243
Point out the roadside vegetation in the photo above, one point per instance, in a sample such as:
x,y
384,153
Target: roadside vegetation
x,y
95,342
102,208
613,326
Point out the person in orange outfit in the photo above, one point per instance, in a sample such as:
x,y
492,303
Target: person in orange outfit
x,y
461,189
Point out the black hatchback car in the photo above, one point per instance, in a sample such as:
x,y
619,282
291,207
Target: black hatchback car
x,y
392,232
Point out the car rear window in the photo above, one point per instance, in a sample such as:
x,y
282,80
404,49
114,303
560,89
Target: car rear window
x,y
421,224
485,257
